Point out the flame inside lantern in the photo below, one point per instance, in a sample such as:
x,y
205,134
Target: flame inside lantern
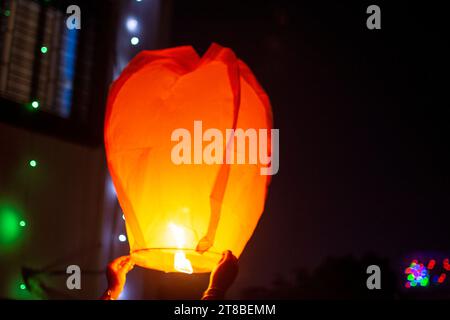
x,y
180,262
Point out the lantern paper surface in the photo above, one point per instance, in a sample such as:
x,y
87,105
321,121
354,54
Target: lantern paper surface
x,y
181,217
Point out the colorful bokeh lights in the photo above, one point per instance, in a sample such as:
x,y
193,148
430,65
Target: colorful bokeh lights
x,y
420,275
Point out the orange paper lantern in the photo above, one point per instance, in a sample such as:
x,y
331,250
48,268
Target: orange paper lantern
x,y
180,216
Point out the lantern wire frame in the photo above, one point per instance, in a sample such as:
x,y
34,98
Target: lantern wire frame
x,y
207,260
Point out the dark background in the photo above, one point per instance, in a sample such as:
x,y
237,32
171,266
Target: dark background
x,y
363,125
364,150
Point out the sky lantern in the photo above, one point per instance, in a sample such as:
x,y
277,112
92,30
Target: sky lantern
x,y
189,145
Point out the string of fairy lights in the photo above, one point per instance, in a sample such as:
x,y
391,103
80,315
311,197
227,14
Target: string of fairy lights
x,y
12,222
132,26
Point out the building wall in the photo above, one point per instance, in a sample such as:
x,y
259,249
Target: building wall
x,y
63,202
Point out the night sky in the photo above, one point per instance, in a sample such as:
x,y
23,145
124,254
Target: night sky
x,y
363,127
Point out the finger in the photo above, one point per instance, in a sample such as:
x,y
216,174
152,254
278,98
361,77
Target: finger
x,y
124,262
121,260
229,256
114,264
129,266
118,263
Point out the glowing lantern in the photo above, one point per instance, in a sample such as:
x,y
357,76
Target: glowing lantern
x,y
181,217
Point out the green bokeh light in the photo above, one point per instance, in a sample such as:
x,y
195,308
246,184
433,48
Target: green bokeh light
x,y
35,104
7,13
17,289
9,227
424,282
44,49
22,223
33,163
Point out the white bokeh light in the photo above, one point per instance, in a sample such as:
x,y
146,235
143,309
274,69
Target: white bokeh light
x,y
132,24
134,41
122,238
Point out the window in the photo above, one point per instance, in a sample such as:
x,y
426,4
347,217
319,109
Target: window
x,y
46,66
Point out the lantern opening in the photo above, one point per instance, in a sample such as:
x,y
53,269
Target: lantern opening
x,y
180,262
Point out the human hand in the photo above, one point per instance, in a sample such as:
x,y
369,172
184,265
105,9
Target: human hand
x,y
116,273
222,276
